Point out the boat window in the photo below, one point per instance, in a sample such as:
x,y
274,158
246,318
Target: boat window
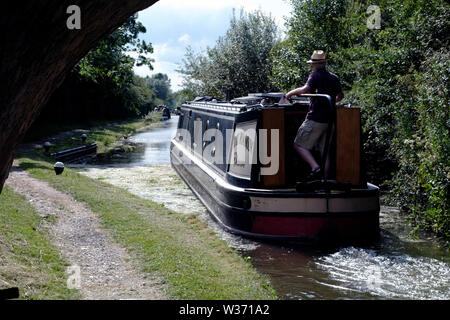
x,y
180,126
198,136
243,152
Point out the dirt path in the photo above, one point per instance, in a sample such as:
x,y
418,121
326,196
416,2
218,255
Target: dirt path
x,y
106,271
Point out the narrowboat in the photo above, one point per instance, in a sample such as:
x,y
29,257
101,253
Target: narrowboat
x,y
238,158
166,114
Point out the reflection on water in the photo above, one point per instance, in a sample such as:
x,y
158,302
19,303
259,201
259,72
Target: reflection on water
x,y
396,267
154,148
157,143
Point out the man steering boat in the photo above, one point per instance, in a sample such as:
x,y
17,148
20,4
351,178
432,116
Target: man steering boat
x,y
312,134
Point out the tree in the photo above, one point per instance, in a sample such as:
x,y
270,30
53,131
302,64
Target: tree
x,y
160,84
315,25
110,61
103,85
398,75
239,62
182,96
110,67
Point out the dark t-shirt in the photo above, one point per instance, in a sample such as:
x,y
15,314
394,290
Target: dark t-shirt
x,y
323,82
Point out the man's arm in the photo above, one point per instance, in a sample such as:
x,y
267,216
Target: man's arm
x,y
298,91
340,96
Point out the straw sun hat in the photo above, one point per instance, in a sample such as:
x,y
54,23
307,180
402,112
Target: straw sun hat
x,y
318,56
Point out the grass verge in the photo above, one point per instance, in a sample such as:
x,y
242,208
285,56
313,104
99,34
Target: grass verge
x,y
181,249
27,259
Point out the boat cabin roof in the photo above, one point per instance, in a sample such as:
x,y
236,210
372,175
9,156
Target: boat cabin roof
x,y
242,104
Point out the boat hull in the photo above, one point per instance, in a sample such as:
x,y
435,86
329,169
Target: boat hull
x,y
282,215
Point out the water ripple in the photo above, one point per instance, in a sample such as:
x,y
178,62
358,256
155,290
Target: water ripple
x,y
391,276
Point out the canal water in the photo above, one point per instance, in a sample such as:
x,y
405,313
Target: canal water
x,y
396,267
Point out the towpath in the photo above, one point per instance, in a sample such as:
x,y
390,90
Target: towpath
x,y
107,271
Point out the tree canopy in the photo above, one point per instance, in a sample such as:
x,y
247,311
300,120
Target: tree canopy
x,y
240,61
160,84
399,76
103,85
110,59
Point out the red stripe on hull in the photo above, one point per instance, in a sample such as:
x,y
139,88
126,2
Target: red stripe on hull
x,y
314,227
288,226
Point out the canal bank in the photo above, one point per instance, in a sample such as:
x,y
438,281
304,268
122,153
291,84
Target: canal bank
x,y
33,257
191,260
178,248
96,266
399,266
107,136
29,261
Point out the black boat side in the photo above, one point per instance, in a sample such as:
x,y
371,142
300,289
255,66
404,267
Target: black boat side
x,y
245,202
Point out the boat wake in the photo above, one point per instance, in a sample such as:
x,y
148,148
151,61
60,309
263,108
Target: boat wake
x,y
387,275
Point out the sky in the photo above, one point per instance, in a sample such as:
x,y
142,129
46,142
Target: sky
x,y
173,25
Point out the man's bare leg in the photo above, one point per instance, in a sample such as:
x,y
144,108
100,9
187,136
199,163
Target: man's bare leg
x,y
307,156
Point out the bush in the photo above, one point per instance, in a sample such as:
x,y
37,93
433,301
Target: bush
x,y
422,146
399,76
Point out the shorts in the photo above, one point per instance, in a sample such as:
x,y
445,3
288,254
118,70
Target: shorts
x,y
312,135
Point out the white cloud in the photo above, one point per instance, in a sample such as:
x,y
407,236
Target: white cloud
x,y
278,9
185,38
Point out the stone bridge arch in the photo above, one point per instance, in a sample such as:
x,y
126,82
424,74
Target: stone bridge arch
x,y
37,51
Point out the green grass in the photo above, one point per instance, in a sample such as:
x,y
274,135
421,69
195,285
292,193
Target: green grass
x,y
189,257
27,258
45,130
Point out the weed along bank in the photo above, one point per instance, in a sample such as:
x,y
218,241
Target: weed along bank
x,y
238,159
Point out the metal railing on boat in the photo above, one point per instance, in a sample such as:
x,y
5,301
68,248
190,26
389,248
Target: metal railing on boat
x,y
230,107
216,106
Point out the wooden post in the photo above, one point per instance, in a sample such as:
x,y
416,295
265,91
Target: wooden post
x,y
273,118
348,146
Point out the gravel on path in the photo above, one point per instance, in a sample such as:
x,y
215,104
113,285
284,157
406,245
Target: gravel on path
x,y
106,269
